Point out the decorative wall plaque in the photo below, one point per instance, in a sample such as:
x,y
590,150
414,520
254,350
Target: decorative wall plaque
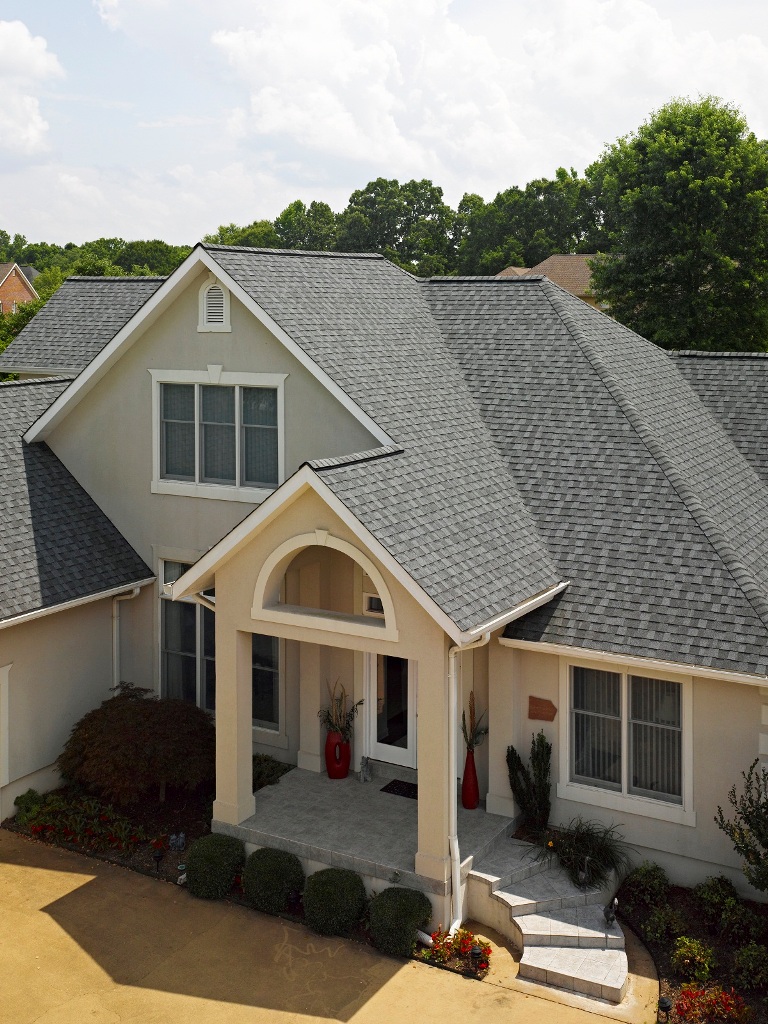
x,y
541,710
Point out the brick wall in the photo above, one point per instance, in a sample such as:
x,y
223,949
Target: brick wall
x,y
15,288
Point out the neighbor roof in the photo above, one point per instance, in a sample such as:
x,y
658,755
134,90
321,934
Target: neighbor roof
x,y
75,324
569,270
56,545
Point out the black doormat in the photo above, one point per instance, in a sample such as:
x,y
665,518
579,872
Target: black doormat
x,y
400,788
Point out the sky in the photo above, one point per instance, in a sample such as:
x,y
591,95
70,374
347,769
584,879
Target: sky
x,y
166,118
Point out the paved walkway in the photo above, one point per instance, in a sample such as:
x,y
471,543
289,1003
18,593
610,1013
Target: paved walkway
x,y
84,941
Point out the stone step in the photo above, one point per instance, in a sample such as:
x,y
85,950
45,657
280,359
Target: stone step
x,y
548,890
506,862
600,973
582,926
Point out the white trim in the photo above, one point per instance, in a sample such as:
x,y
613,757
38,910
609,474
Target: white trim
x,y
403,756
5,727
266,595
203,325
215,374
628,803
150,311
306,478
66,605
646,664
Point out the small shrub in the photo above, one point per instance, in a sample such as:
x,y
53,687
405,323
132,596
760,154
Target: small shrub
x,y
711,895
530,783
644,888
662,925
748,831
27,804
395,914
715,1005
334,900
750,967
692,960
212,863
738,924
456,947
267,771
588,851
271,878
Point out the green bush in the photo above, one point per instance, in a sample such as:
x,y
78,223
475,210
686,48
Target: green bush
x,y
644,888
588,851
662,925
692,960
134,742
738,924
748,831
271,878
530,784
711,895
750,967
28,803
395,915
212,863
334,901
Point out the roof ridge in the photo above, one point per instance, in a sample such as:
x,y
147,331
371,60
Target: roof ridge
x,y
355,457
57,379
705,354
217,247
721,544
482,279
123,277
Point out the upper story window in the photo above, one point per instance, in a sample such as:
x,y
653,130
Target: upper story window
x,y
218,435
214,307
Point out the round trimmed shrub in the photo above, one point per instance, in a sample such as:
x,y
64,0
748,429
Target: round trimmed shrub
x,y
738,924
644,888
334,901
692,960
271,877
212,863
711,896
395,915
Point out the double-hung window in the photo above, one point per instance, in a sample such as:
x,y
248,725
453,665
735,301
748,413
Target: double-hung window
x,y
626,741
221,439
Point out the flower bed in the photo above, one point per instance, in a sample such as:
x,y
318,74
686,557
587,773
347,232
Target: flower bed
x,y
455,952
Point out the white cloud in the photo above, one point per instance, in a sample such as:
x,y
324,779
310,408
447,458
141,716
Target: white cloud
x,y
25,64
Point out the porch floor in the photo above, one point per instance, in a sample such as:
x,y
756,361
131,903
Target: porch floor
x,y
348,824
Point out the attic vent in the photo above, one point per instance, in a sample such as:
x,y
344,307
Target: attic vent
x,y
214,305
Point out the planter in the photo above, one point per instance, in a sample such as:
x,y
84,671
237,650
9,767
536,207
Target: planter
x,y
338,754
470,791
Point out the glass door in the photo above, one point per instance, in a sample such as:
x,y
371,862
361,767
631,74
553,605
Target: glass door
x,y
392,709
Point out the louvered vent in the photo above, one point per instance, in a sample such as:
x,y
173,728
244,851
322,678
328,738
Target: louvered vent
x,y
214,305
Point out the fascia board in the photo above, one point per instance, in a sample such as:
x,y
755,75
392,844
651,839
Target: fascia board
x,y
38,613
633,661
296,350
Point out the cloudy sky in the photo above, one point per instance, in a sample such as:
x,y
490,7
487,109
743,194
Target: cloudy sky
x,y
166,118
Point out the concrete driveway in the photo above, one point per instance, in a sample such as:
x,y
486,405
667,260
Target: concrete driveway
x,y
82,941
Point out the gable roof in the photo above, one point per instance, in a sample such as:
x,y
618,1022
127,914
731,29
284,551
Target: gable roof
x,y
569,270
642,499
75,324
56,546
5,270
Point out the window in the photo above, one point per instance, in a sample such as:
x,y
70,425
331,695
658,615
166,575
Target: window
x,y
218,434
626,733
188,657
214,307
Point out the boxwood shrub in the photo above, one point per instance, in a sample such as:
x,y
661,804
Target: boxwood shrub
x,y
271,877
395,914
334,900
212,863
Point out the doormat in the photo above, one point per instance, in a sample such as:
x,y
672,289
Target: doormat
x,y
400,788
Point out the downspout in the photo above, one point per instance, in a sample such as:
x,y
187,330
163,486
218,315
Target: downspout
x,y
116,633
453,814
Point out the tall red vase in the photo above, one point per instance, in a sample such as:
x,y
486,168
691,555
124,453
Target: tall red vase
x,y
338,754
470,791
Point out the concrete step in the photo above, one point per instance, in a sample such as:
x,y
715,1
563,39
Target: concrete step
x,y
582,926
549,890
508,861
600,973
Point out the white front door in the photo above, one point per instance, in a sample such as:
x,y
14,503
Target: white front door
x,y
391,709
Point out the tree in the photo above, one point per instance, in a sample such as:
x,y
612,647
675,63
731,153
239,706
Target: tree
x,y
12,323
301,227
748,831
683,207
261,234
150,257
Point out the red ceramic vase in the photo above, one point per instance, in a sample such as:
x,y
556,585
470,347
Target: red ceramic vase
x,y
470,791
338,754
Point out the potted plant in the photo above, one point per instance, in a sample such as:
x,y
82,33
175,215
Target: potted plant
x,y
474,734
338,718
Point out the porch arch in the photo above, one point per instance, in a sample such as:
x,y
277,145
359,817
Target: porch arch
x,y
266,596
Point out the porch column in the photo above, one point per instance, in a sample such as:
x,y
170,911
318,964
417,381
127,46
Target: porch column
x,y
311,699
234,728
432,855
503,714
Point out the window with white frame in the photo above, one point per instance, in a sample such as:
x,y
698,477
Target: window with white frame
x,y
626,733
188,656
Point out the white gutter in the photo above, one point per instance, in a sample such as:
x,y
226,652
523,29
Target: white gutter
x,y
17,620
116,633
529,605
453,813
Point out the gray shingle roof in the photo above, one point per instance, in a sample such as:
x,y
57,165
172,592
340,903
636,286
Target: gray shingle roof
x,y
444,506
734,387
643,500
76,323
56,545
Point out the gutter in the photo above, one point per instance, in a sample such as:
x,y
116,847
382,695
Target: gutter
x,y
38,613
453,827
116,633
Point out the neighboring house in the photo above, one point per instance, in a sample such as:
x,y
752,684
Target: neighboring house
x,y
333,470
568,270
15,287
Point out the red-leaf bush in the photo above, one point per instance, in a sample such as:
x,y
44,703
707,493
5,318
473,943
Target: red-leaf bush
x,y
711,1006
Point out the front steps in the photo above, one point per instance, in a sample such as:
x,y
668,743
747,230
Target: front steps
x,y
560,928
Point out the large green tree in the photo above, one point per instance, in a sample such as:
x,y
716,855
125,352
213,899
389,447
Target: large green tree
x,y
682,206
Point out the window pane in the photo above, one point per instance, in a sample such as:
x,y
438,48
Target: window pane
x,y
218,454
266,681
596,727
656,738
178,431
178,402
179,627
392,701
260,456
179,677
260,407
209,659
218,404
597,692
656,701
173,571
